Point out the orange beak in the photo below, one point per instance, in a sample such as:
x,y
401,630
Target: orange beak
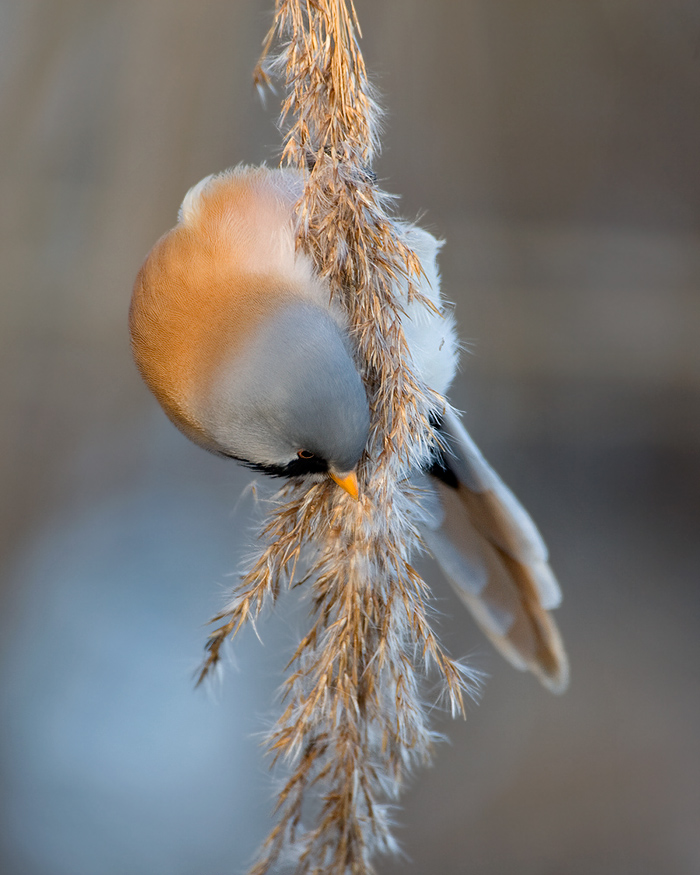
x,y
348,482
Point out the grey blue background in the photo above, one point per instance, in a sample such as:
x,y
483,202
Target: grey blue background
x,y
554,144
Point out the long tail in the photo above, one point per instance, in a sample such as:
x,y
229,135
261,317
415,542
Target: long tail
x,y
491,552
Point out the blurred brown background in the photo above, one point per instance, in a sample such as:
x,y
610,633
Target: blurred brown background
x,y
554,144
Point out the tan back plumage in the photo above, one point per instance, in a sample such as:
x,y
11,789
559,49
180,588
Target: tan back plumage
x,y
207,283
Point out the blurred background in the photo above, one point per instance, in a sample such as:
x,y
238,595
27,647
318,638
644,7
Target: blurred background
x,y
555,145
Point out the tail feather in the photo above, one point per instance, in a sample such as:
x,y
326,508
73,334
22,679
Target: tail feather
x,y
491,552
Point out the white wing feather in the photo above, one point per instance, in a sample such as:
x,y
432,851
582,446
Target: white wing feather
x,y
484,540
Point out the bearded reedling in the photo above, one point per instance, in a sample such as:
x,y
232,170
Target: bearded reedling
x,y
251,357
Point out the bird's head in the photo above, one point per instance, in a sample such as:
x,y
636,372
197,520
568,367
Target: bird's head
x,y
290,402
238,339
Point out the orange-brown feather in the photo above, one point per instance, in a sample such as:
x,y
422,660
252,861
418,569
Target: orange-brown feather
x,y
206,285
531,639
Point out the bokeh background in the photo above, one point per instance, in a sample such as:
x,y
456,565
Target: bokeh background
x,y
555,145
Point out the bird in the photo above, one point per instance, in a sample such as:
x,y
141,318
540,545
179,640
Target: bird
x,y
251,357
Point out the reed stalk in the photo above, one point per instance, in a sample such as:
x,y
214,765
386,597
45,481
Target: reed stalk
x,y
354,720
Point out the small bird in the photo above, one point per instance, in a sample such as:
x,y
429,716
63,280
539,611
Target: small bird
x,y
251,357
238,338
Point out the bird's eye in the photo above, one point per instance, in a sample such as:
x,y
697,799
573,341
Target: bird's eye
x,y
305,454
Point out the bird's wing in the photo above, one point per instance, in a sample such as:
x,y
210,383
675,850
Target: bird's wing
x,y
490,550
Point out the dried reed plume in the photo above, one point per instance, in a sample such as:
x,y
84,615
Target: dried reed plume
x,y
354,723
